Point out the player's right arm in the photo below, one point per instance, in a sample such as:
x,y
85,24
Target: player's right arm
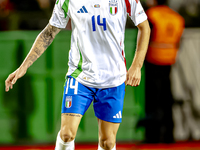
x,y
43,40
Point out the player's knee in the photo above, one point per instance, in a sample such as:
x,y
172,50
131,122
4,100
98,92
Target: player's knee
x,y
67,136
107,144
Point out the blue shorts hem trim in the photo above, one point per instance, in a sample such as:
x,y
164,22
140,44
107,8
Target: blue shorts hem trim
x,y
109,120
72,112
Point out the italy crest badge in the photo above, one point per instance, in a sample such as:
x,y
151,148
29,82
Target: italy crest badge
x,y
113,5
68,101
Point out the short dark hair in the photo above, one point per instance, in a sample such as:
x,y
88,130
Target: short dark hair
x,y
161,2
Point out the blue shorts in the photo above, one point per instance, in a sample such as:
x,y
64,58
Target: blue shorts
x,y
107,103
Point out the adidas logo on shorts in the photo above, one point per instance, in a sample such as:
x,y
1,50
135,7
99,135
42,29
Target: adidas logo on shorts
x,y
118,115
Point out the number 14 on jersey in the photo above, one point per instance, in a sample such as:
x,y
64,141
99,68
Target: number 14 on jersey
x,y
103,23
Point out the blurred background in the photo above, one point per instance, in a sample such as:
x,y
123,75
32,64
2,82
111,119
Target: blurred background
x,y
30,113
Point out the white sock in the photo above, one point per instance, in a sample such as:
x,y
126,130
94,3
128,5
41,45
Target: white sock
x,y
61,145
99,148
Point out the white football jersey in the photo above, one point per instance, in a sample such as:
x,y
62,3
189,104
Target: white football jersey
x,y
96,56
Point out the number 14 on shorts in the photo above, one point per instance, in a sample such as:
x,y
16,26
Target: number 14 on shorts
x,y
72,84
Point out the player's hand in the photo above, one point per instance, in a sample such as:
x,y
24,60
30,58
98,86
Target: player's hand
x,y
133,76
13,77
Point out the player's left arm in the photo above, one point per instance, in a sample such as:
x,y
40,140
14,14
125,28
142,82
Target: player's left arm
x,y
133,77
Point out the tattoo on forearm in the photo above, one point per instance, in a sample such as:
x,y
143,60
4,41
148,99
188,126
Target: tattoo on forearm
x,y
73,115
48,35
47,38
31,59
43,41
38,51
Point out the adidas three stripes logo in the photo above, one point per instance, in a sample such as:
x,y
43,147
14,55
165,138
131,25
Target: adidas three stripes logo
x,y
82,10
118,115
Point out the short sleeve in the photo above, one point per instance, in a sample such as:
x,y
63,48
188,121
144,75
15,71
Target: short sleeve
x,y
60,15
136,11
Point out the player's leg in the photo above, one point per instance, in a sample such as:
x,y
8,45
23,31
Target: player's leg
x,y
107,135
108,105
67,133
69,126
76,100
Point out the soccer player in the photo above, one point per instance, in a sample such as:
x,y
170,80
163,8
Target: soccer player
x,y
97,71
